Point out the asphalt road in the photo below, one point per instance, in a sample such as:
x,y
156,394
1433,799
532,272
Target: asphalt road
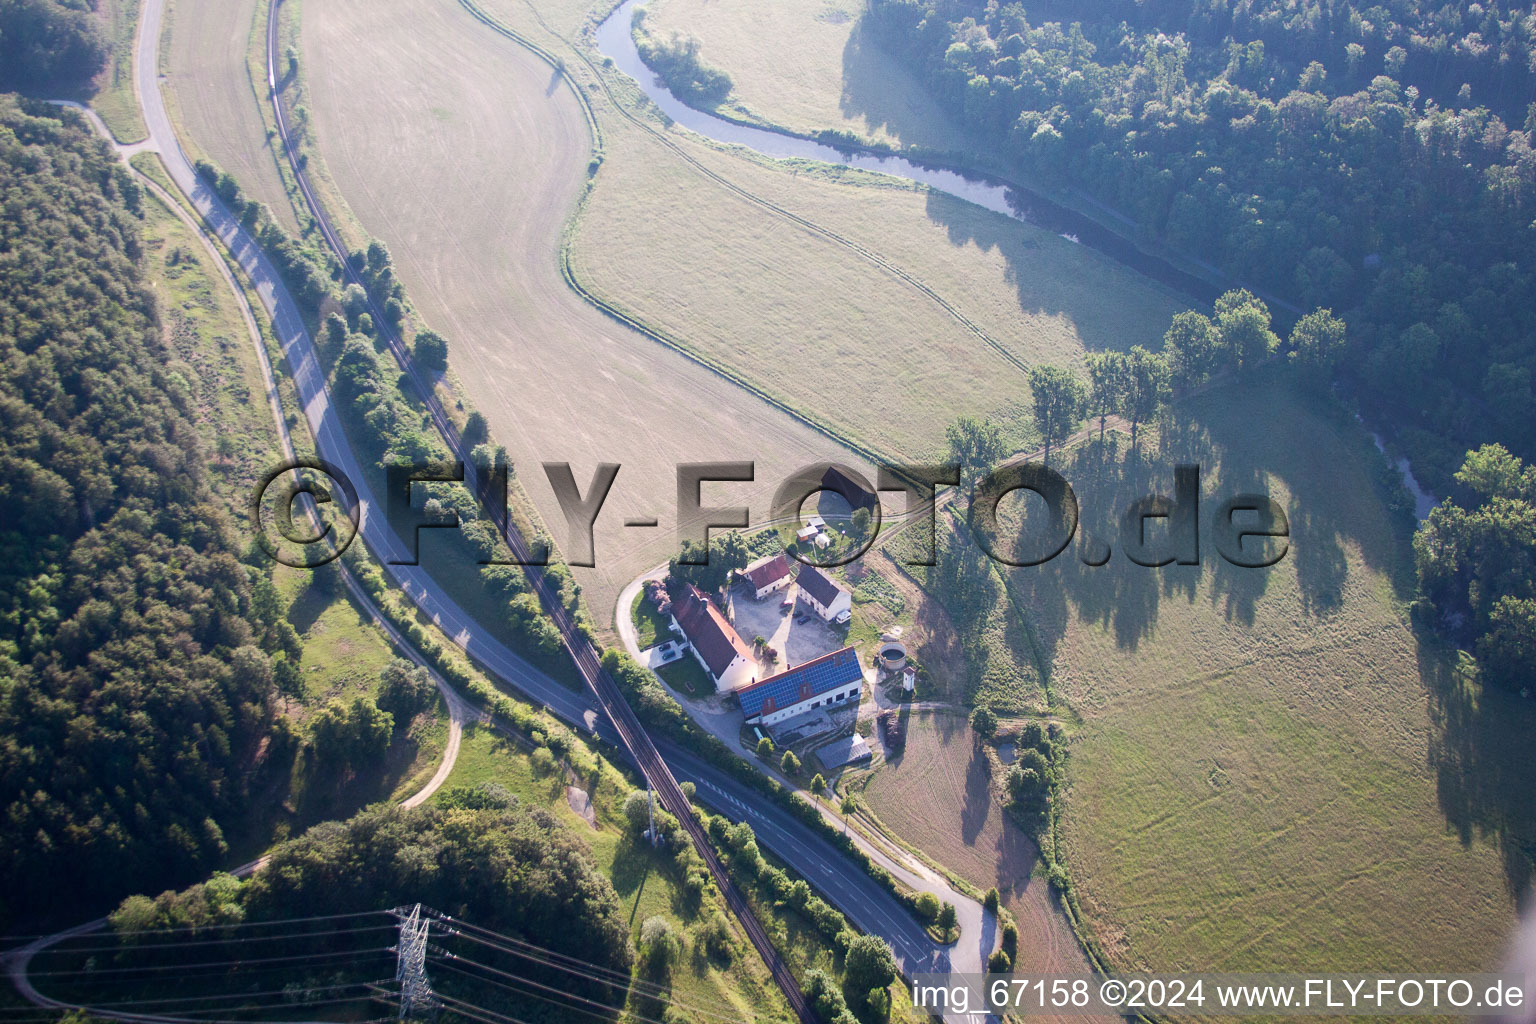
x,y
843,883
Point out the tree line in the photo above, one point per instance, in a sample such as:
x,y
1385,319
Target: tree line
x,y
1372,159
1137,384
477,854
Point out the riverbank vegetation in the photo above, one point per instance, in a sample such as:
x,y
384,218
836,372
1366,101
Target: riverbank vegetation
x,y
676,61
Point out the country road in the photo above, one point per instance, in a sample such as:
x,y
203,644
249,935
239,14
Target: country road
x,y
842,882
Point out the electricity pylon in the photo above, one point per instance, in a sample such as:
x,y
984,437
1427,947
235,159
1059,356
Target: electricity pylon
x,y
416,999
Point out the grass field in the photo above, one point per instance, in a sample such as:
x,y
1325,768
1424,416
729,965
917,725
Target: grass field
x,y
114,100
211,98
214,356
937,795
807,65
988,656
1260,777
828,329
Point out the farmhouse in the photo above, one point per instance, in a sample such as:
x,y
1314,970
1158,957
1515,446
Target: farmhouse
x,y
766,575
830,680
715,645
831,601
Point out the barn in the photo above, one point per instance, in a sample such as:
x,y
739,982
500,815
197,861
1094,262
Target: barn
x,y
767,575
832,680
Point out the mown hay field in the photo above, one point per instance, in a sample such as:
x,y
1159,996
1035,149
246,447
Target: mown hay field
x,y
211,98
1270,772
465,154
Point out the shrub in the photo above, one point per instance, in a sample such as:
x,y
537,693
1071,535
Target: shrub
x,y
999,963
927,907
715,936
948,918
637,811
660,947
405,690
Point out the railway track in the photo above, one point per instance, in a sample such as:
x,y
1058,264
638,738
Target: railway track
x,y
583,653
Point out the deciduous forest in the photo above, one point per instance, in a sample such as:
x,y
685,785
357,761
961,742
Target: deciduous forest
x,y
135,647
1374,159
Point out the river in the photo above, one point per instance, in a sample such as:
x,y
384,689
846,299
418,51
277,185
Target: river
x,y
616,41
1423,502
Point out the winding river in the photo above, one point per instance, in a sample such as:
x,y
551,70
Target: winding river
x,y
615,41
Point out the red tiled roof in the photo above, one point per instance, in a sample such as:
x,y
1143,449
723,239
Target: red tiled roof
x,y
769,570
709,631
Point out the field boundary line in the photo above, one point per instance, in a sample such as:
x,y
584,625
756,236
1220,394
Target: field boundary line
x,y
804,223
633,321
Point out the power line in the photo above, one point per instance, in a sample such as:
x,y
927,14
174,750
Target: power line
x,y
194,1014
606,1008
641,988
214,963
244,974
103,922
126,946
480,1013
617,977
113,1004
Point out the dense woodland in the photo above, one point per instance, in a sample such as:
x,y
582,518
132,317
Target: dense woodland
x,y
135,647
49,45
478,854
1376,160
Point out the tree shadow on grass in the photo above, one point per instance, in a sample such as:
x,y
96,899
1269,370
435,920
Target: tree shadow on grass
x,y
632,863
978,795
878,90
1484,761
